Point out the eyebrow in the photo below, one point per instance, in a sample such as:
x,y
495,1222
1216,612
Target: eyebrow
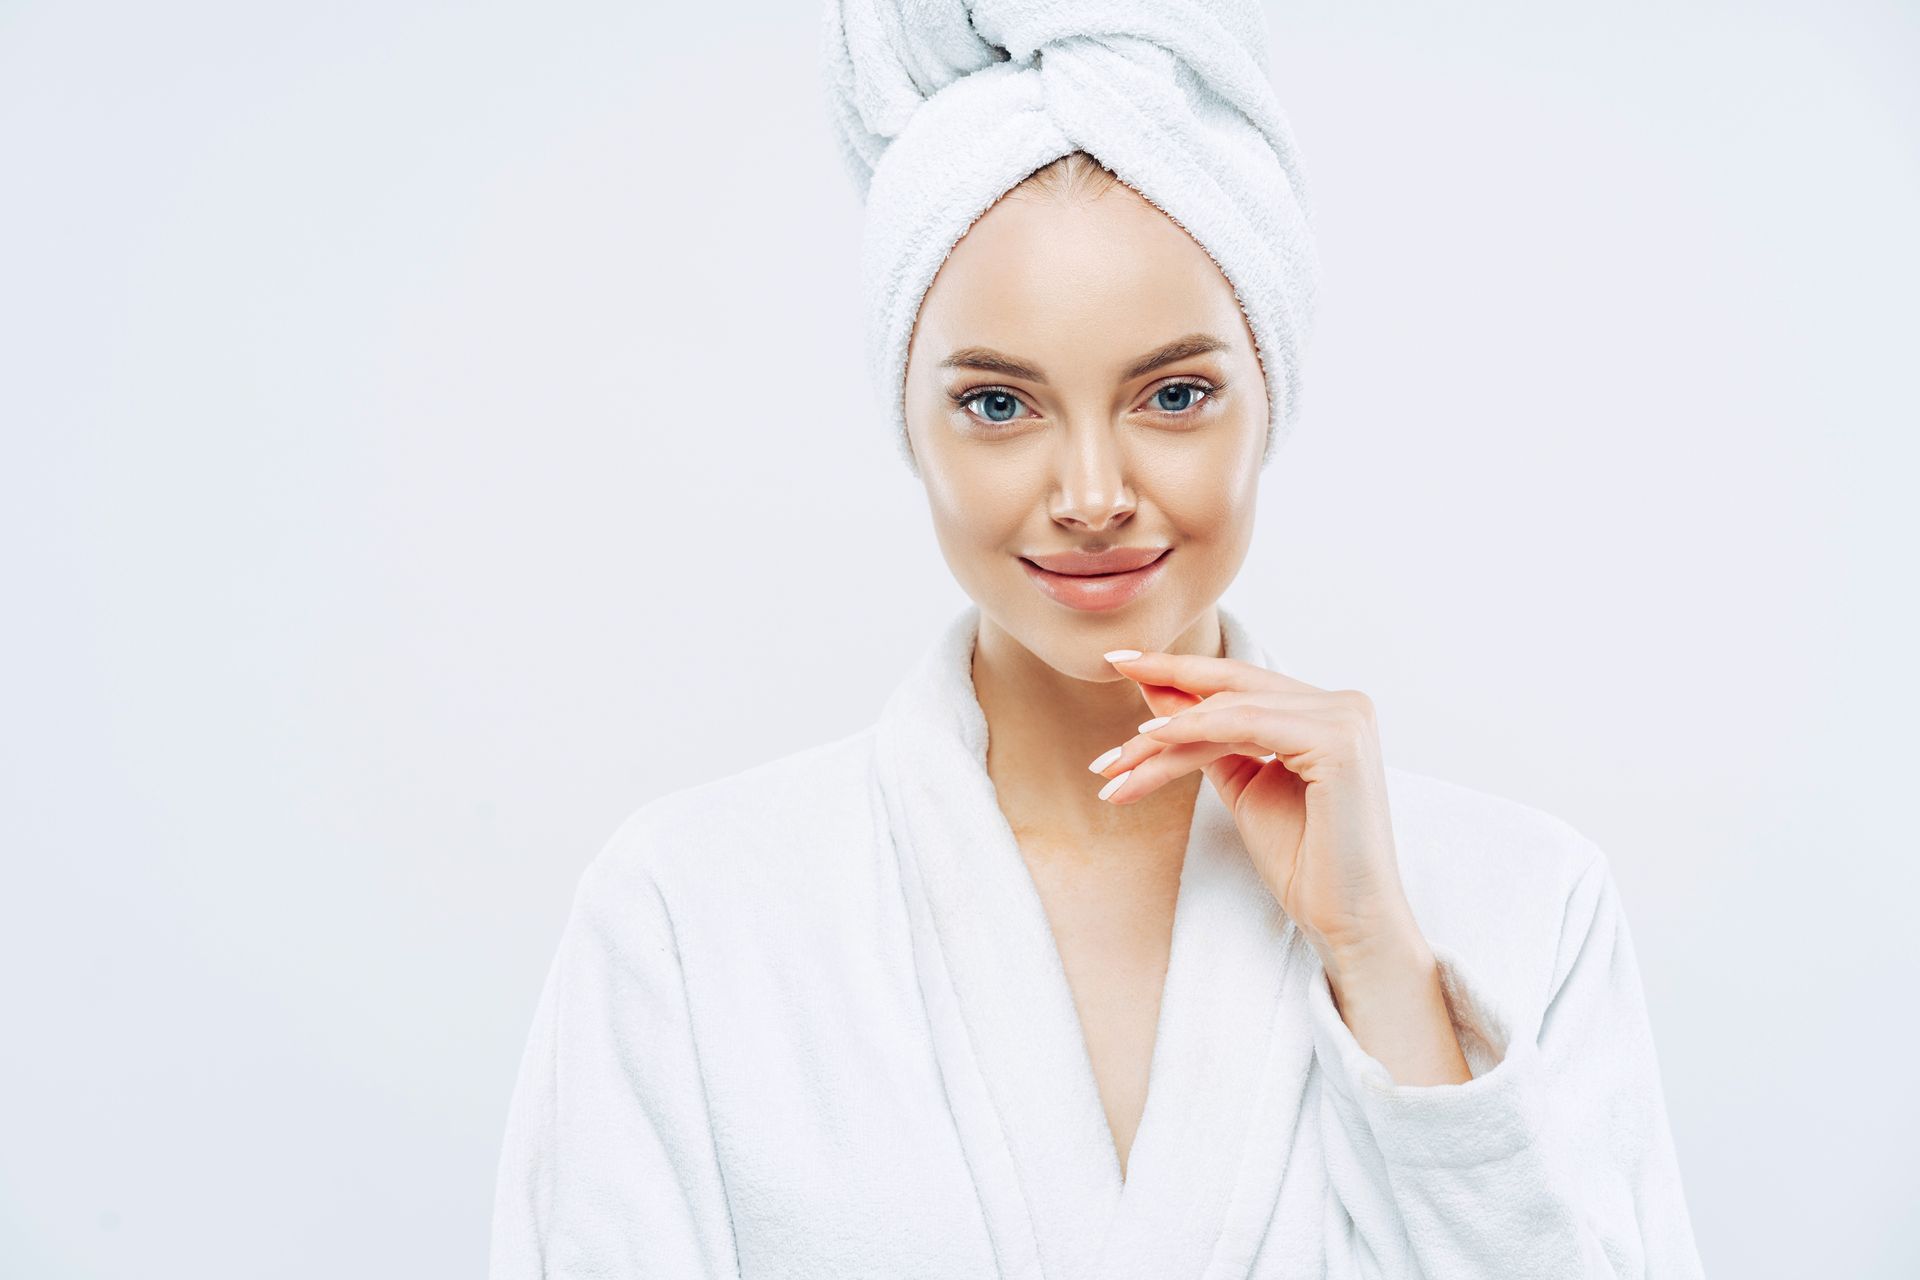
x,y
1194,344
986,358
991,361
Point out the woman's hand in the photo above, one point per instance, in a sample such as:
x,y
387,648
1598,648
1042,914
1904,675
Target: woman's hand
x,y
1300,768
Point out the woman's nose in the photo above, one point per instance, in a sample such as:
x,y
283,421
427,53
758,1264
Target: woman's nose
x,y
1091,487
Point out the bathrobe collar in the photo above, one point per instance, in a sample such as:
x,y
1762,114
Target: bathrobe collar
x,y
1233,1047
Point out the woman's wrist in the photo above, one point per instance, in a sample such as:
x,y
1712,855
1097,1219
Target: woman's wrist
x,y
1388,993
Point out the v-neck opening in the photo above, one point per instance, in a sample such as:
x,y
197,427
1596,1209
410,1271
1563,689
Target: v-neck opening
x,y
1089,1081
1161,1002
1012,1049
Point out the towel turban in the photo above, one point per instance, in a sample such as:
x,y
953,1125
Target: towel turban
x,y
943,106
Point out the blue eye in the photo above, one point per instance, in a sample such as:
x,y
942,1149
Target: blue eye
x,y
1177,397
996,406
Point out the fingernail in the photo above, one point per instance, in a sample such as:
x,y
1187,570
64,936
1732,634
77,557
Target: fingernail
x,y
1114,784
1121,655
1104,759
1150,725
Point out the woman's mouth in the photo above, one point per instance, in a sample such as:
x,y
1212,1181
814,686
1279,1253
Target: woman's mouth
x,y
1071,584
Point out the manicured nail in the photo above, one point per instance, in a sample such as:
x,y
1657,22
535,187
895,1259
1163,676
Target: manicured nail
x,y
1121,655
1104,759
1114,784
1150,725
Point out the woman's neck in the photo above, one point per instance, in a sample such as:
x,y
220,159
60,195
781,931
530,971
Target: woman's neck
x,y
1043,727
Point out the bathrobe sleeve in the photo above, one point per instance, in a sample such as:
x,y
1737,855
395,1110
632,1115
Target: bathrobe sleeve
x,y
608,1166
1554,1161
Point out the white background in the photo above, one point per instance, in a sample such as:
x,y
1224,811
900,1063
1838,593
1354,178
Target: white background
x,y
433,430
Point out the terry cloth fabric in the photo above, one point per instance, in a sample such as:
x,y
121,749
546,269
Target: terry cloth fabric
x,y
942,106
809,1019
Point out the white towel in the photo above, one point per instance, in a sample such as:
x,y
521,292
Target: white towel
x,y
809,1019
945,105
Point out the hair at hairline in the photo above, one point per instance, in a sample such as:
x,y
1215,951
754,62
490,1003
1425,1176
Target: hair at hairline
x,y
1077,173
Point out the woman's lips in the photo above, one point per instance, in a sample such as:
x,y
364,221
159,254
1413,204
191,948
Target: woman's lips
x,y
1094,592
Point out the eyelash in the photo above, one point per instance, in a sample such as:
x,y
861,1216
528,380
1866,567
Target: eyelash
x,y
968,395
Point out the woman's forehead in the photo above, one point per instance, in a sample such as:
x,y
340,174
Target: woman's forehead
x,y
1078,278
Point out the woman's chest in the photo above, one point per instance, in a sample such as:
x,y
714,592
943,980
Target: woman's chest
x,y
858,1143
1111,913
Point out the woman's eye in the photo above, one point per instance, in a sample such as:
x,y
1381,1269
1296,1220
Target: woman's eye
x,y
1177,397
996,406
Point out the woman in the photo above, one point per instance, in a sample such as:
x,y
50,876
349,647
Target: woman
x,y
929,1000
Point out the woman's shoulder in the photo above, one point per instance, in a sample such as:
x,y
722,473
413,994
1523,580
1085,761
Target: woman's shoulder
x,y
788,818
1465,821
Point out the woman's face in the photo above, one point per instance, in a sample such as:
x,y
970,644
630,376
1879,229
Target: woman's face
x,y
1081,379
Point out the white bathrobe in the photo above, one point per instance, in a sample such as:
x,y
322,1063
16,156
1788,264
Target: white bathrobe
x,y
809,1020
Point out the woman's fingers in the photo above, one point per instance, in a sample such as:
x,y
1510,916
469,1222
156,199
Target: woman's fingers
x,y
1261,724
1332,725
1146,741
1198,674
1165,699
1163,766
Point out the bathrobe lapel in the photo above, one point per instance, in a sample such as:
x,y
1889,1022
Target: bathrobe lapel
x,y
1233,1046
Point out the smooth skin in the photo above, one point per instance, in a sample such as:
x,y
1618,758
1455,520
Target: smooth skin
x,y
1035,433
